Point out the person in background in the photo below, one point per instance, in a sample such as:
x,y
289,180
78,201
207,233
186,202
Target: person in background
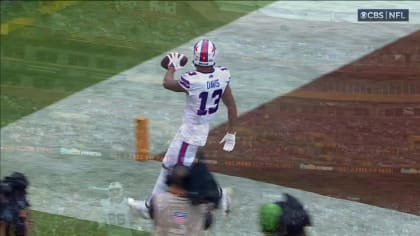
x,y
284,218
116,212
173,212
14,206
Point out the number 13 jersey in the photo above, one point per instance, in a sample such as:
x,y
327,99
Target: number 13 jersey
x,y
205,91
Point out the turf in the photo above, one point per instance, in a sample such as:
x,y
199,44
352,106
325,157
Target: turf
x,y
49,224
50,51
66,49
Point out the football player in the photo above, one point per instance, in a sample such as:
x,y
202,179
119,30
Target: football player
x,y
116,211
204,87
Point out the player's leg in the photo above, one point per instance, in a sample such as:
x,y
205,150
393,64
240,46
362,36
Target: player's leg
x,y
143,206
160,185
187,154
178,152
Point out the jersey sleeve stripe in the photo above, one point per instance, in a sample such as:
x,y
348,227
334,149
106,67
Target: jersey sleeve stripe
x,y
183,84
185,81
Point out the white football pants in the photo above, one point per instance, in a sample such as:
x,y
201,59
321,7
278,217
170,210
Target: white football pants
x,y
179,152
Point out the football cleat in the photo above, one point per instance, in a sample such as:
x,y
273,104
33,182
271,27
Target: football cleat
x,y
140,206
227,194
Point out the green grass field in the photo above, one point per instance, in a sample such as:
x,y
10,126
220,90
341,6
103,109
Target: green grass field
x,y
60,53
48,224
50,50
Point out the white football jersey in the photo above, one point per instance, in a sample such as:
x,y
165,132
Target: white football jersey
x,y
116,213
205,92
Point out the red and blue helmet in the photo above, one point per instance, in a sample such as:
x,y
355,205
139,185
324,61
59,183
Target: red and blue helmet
x,y
204,53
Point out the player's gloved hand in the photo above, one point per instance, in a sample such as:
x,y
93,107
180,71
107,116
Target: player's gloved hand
x,y
175,60
229,140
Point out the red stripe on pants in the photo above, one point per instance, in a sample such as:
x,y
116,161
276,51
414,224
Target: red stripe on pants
x,y
182,153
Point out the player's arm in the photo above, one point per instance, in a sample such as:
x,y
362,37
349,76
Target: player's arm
x,y
229,101
229,138
170,83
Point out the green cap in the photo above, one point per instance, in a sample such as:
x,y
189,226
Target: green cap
x,y
269,217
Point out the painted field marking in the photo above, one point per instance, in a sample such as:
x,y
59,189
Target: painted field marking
x,y
21,22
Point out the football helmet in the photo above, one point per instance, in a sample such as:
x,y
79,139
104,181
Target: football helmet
x,y
204,53
115,190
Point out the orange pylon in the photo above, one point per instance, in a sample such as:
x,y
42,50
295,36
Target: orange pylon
x,y
142,139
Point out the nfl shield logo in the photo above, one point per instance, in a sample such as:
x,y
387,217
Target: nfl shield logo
x,y
179,217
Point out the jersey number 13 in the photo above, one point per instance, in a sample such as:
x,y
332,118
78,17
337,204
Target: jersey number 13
x,y
216,95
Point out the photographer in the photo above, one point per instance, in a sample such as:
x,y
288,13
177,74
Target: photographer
x,y
14,207
202,189
173,211
284,218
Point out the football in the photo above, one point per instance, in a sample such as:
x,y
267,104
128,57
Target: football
x,y
165,61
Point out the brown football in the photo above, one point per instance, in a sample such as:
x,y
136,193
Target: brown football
x,y
165,61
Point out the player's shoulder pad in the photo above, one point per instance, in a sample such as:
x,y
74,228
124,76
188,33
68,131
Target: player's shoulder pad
x,y
222,68
189,74
225,71
189,78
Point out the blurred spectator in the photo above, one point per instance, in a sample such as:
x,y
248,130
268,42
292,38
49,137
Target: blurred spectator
x,y
173,211
202,189
116,211
284,218
14,206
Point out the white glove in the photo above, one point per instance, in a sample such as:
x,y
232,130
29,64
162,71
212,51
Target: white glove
x,y
229,140
175,60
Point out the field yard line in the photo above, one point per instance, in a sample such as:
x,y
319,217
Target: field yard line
x,y
15,24
48,9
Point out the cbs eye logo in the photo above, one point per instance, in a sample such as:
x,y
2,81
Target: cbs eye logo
x,y
363,15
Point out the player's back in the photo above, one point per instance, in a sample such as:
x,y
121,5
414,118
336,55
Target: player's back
x,y
205,92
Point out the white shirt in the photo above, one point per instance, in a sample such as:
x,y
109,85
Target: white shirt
x,y
205,91
116,213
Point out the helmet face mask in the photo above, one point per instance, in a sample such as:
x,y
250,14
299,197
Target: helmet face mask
x,y
204,53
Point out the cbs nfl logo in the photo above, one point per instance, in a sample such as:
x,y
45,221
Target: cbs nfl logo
x,y
393,15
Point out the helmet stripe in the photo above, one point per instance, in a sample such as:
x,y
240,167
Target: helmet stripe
x,y
204,51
